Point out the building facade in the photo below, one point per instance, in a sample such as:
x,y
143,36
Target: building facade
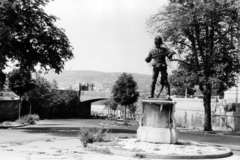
x,y
203,1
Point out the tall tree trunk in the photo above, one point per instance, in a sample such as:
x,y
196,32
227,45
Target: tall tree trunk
x,y
207,109
186,92
125,114
30,112
19,107
110,113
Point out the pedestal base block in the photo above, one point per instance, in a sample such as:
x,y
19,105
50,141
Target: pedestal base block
x,y
174,136
157,135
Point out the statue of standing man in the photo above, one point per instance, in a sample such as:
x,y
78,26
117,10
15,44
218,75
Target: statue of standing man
x,y
159,54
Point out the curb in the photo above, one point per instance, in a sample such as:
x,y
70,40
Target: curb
x,y
16,126
113,125
210,132
97,148
103,124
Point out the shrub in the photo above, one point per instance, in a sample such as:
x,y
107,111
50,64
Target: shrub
x,y
7,123
138,155
35,117
30,118
90,135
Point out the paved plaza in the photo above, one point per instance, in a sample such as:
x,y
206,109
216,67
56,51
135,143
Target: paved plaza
x,y
57,139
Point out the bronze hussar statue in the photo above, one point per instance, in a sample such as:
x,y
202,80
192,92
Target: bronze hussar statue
x,y
159,54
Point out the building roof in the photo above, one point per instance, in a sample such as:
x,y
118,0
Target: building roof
x,y
8,95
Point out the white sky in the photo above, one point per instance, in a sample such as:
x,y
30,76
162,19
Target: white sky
x,y
107,35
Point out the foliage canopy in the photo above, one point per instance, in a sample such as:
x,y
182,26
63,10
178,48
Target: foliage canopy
x,y
45,97
182,81
21,82
29,37
125,90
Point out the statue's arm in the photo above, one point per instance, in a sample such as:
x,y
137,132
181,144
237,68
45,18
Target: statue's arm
x,y
169,53
149,58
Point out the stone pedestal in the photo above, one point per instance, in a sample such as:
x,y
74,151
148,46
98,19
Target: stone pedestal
x,y
157,123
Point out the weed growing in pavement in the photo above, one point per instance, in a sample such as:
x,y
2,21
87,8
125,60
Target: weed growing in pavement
x,y
139,155
99,150
90,135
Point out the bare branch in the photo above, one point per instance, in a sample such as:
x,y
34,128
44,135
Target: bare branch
x,y
185,44
223,35
178,60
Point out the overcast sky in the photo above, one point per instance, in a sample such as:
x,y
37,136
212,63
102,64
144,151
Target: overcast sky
x,y
107,35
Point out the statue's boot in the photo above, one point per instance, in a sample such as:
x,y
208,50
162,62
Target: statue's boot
x,y
152,91
168,91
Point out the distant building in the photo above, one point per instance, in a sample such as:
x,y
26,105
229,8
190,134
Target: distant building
x,y
8,106
203,1
82,88
232,95
87,87
8,95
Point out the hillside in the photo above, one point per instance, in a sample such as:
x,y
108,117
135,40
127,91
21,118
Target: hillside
x,y
102,81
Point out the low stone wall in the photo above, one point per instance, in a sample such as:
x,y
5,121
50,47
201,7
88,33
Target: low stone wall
x,y
61,111
226,116
190,114
8,110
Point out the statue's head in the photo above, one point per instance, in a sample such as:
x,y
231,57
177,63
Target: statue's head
x,y
158,41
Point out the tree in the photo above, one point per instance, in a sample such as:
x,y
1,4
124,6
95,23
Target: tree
x,y
125,91
111,105
205,35
54,84
64,102
108,105
29,37
45,98
41,95
20,82
2,80
132,109
183,82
